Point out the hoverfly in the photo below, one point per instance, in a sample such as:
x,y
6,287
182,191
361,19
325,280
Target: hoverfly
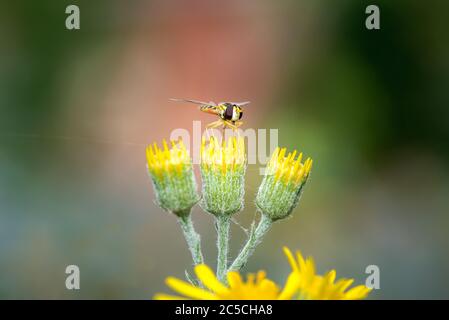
x,y
230,113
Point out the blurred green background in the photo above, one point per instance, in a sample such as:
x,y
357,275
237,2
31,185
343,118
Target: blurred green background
x,y
78,107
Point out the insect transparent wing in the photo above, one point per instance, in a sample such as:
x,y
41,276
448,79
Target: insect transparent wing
x,y
202,103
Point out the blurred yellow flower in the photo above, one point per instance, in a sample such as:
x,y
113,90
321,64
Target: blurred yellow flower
x,y
316,287
303,284
256,287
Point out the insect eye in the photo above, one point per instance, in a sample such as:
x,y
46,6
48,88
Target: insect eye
x,y
240,115
228,113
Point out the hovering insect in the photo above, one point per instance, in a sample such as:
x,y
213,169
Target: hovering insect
x,y
230,113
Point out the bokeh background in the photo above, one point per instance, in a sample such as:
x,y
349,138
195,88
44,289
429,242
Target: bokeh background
x,y
78,107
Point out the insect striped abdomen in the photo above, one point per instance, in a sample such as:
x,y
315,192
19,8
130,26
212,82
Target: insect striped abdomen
x,y
209,109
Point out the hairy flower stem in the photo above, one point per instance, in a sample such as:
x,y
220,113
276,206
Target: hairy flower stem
x,y
222,224
193,239
254,239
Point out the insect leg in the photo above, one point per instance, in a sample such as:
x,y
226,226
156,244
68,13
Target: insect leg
x,y
227,123
214,124
238,123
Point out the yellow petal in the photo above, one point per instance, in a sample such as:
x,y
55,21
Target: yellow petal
x,y
250,278
358,292
291,287
343,284
267,286
234,279
260,276
208,278
189,290
331,275
291,259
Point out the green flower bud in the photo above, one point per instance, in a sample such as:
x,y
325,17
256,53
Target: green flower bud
x,y
173,179
223,169
282,185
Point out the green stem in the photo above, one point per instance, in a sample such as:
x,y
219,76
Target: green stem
x,y
193,239
254,239
222,224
